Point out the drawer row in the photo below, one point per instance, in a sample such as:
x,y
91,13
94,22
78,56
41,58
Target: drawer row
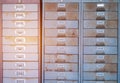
x,y
74,58
75,6
17,1
87,50
75,15
75,24
60,58
61,24
86,32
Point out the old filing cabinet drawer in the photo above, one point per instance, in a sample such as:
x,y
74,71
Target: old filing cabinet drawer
x,y
20,16
61,41
100,50
20,32
20,57
100,58
61,7
60,81
62,15
20,48
100,76
100,32
107,24
61,67
101,15
20,65
99,81
17,1
101,67
61,24
61,58
61,75
20,7
100,41
105,6
61,32
20,73
61,49
20,24
20,80
20,40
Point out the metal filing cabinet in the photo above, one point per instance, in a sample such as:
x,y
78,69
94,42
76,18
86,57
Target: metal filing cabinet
x,y
100,41
61,23
20,40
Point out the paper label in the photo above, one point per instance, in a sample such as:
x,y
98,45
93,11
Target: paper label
x,y
100,30
100,39
20,64
60,81
100,57
61,13
61,22
100,48
100,13
61,39
61,49
61,5
100,74
100,22
61,31
100,65
100,5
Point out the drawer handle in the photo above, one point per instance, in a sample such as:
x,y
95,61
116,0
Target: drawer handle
x,y
100,7
19,7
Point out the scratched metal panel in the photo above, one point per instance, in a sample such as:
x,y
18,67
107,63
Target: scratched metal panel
x,y
100,67
100,82
61,49
61,41
61,15
60,81
61,58
61,6
61,24
61,67
100,24
104,7
100,41
61,75
100,76
100,50
100,32
61,32
101,15
100,59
